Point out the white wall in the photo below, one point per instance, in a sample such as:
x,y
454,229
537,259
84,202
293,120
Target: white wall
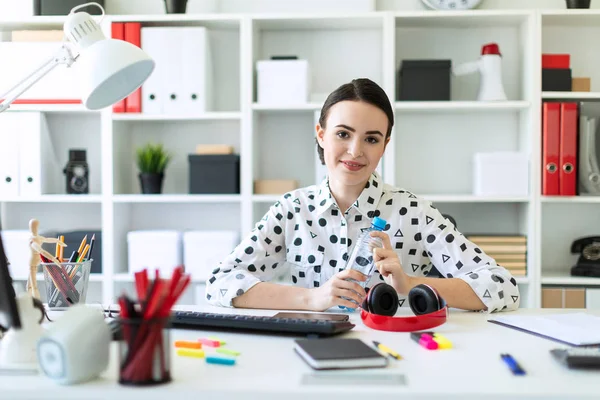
x,y
11,9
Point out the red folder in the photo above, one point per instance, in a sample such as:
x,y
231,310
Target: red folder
x,y
550,148
118,32
551,61
133,32
568,149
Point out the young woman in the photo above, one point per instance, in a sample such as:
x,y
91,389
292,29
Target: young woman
x,y
308,234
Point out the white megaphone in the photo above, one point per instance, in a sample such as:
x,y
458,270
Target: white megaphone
x,y
489,66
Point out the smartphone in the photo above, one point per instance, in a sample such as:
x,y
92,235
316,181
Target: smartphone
x,y
320,316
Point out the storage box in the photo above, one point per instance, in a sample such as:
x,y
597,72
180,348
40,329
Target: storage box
x,y
18,252
154,249
424,80
283,82
556,79
204,250
274,186
501,174
63,7
214,174
581,84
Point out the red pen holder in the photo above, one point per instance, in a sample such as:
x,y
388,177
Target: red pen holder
x,y
144,352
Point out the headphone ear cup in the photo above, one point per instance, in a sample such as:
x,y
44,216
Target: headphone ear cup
x,y
423,299
382,299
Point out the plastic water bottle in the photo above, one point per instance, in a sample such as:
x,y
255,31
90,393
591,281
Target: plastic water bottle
x,y
361,258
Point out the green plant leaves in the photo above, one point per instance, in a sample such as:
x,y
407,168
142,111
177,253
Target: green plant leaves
x,y
152,158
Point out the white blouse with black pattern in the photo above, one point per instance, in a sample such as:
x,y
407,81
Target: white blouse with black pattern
x,y
307,239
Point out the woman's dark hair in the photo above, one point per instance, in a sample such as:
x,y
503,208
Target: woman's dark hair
x,y
361,89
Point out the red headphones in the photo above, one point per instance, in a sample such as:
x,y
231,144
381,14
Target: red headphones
x,y
381,303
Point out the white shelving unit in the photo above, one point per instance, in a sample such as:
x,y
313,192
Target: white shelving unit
x,y
430,152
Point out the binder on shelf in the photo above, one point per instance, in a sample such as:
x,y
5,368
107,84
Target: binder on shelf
x,y
568,149
118,32
132,34
38,170
550,148
197,74
9,156
172,80
27,160
154,44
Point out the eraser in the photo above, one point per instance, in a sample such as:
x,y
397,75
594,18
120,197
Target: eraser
x,y
220,360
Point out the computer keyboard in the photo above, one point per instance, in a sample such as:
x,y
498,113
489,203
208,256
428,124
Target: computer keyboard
x,y
303,326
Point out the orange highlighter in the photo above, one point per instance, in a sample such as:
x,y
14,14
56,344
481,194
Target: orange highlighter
x,y
187,344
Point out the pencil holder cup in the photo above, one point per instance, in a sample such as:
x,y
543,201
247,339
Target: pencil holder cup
x,y
68,284
145,352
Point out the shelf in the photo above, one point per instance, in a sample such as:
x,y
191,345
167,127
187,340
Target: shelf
x,y
566,279
54,198
571,199
571,95
571,17
211,21
312,22
209,116
461,19
176,198
430,106
54,108
522,279
300,107
474,199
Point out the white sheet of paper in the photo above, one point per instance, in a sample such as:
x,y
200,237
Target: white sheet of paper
x,y
579,328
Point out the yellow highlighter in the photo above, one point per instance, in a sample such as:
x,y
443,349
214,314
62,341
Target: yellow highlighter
x,y
190,353
443,342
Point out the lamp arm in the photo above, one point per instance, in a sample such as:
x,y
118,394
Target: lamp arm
x,y
62,56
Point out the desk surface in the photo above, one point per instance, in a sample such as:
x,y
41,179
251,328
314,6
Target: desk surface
x,y
268,368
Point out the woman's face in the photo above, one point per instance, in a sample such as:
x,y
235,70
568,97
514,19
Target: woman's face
x,y
353,141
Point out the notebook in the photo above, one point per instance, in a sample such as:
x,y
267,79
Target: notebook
x,y
339,353
578,329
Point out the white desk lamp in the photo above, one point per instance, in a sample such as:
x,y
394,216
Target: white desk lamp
x,y
109,70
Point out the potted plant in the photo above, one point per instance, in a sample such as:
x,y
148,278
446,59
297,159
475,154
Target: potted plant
x,y
152,160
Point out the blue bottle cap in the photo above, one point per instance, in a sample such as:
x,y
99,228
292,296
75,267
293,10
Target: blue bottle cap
x,y
379,223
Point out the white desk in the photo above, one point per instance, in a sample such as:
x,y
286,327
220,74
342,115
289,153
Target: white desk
x,y
268,368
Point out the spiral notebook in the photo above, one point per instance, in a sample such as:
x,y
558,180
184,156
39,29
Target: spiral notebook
x,y
577,329
339,353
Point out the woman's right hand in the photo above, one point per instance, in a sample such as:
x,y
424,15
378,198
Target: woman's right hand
x,y
331,293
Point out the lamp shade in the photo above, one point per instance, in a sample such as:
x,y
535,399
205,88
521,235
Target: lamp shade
x,y
109,69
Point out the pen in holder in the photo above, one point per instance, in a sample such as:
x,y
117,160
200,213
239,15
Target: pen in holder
x,y
145,352
144,356
68,284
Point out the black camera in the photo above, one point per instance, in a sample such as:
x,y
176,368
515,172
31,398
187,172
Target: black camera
x,y
77,173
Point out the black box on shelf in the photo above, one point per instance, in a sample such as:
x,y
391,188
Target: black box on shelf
x,y
63,7
556,79
424,80
214,173
73,240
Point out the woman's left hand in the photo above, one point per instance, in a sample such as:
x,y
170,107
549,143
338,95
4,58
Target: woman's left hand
x,y
388,264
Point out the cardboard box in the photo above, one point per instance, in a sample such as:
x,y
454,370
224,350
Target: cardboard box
x,y
581,85
214,149
274,186
37,36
